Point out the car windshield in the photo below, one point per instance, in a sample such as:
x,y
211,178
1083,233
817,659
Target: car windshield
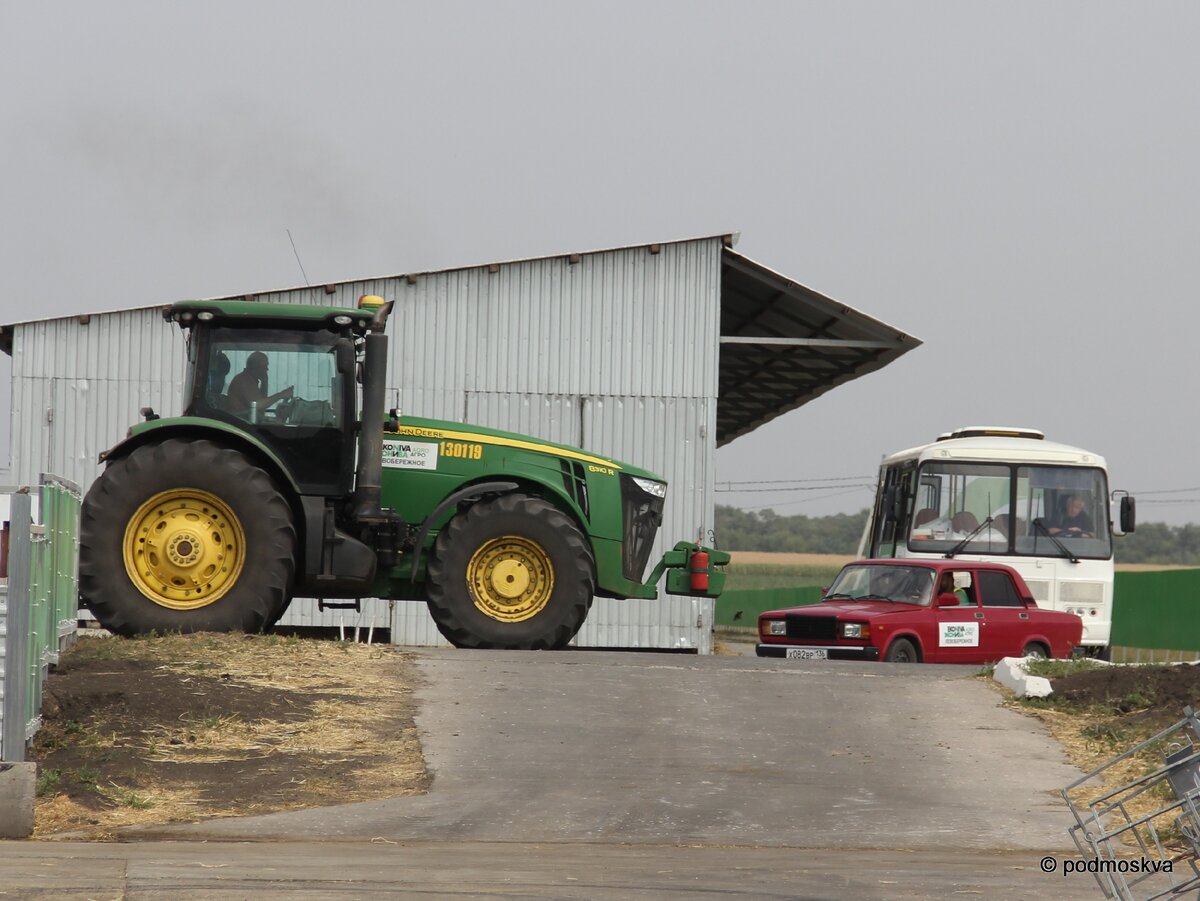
x,y
883,582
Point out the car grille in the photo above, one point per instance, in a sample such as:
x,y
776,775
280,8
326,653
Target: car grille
x,y
642,515
814,628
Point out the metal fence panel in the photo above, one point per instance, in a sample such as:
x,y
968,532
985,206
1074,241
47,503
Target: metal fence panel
x,y
1148,608
17,630
39,613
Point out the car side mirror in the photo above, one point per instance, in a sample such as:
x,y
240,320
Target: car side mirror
x,y
946,599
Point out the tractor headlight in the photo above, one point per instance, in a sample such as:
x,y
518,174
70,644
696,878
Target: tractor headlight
x,y
774,627
856,630
657,489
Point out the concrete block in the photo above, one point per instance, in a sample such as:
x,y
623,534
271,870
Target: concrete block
x,y
1010,672
18,785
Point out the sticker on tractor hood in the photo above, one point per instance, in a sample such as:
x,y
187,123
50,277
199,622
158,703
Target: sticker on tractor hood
x,y
410,454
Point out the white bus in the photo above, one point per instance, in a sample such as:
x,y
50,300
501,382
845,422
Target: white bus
x,y
1008,496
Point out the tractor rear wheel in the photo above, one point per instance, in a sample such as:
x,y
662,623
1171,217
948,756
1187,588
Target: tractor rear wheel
x,y
514,572
185,536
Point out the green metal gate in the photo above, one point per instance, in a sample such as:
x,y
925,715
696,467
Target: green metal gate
x,y
39,614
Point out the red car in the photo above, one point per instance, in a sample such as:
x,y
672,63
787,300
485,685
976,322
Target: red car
x,y
929,611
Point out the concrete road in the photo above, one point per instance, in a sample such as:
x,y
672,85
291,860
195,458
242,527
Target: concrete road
x,y
609,775
597,746
349,871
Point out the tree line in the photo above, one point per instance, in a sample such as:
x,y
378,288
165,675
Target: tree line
x,y
766,530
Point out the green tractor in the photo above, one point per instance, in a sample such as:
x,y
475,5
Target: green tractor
x,y
214,520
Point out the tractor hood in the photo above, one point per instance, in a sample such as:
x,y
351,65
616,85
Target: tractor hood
x,y
415,427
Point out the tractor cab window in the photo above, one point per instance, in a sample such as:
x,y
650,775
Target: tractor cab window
x,y
288,385
292,388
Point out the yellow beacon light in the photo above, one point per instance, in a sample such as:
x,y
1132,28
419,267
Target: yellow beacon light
x,y
370,302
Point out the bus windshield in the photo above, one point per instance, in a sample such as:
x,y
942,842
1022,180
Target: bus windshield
x,y
1003,508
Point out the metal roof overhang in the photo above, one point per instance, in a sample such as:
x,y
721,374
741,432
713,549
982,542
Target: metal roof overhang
x,y
783,344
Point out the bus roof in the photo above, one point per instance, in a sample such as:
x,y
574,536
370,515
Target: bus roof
x,y
997,445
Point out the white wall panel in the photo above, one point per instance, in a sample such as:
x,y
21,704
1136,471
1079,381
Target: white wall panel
x,y
554,418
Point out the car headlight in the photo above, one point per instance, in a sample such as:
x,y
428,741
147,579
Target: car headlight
x,y
856,630
774,627
658,489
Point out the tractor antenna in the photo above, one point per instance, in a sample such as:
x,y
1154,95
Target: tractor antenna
x,y
297,253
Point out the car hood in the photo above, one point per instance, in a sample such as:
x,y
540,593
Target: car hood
x,y
857,609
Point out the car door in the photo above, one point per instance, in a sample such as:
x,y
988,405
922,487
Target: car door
x,y
1006,619
958,631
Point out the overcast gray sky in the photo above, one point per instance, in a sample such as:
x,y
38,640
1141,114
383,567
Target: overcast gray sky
x,y
1014,183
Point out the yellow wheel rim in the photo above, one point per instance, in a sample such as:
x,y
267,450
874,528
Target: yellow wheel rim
x,y
511,578
184,549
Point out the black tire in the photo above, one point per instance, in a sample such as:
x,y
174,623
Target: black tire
x,y
901,651
526,534
1036,650
246,591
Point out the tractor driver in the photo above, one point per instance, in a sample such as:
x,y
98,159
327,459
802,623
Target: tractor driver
x,y
250,387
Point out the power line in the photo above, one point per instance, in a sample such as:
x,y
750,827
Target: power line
x,y
1166,491
795,481
870,487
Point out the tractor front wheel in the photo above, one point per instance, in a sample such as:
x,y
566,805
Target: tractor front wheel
x,y
514,572
185,536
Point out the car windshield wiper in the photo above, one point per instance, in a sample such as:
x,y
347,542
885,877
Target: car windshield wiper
x,y
838,594
957,549
874,597
1038,524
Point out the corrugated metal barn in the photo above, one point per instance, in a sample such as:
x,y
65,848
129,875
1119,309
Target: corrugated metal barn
x,y
654,354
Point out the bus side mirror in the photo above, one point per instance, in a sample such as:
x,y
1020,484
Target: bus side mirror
x,y
1128,514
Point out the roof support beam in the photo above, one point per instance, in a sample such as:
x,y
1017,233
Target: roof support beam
x,y
809,342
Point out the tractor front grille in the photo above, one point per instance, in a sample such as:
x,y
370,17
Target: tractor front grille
x,y
642,515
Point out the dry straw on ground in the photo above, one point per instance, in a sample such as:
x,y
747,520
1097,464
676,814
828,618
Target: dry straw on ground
x,y
181,728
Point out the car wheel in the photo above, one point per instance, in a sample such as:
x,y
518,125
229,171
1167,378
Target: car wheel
x,y
902,651
1036,651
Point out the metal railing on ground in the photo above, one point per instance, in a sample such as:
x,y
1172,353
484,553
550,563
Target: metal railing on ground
x,y
38,613
1155,816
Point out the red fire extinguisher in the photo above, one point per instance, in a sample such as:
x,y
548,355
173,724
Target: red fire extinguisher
x,y
698,567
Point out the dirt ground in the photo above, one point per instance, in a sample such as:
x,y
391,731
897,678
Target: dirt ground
x,y
1151,694
182,728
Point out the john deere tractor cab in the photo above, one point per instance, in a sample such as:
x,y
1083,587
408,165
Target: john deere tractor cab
x,y
278,482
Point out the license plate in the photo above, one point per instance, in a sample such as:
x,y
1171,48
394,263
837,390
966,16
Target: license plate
x,y
807,654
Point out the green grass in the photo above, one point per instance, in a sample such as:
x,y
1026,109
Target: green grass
x,y
125,797
753,576
1056,669
47,782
